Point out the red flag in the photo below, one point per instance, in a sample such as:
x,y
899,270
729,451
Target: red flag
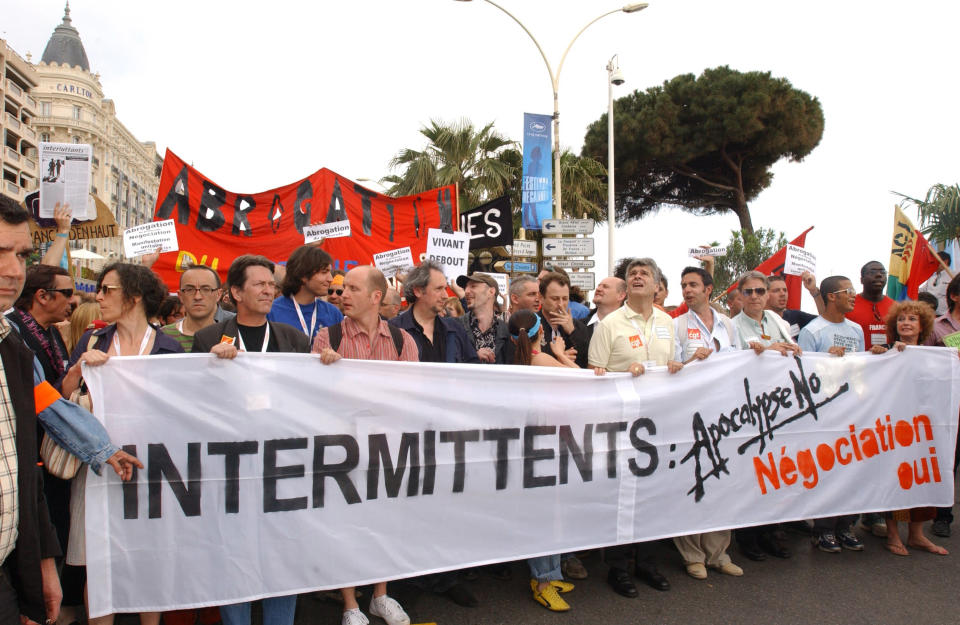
x,y
923,265
774,265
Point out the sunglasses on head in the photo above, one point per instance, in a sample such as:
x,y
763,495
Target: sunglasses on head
x,y
759,291
332,291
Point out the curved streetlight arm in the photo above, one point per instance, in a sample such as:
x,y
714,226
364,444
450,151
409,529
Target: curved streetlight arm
x,y
574,40
553,77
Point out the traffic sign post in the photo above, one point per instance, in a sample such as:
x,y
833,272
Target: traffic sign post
x,y
512,266
567,247
570,263
567,226
524,248
586,280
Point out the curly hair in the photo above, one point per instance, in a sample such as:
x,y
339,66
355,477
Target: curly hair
x,y
921,310
137,281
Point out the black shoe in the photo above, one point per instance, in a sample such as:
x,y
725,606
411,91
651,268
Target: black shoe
x,y
771,545
621,583
752,551
501,571
462,596
652,577
941,528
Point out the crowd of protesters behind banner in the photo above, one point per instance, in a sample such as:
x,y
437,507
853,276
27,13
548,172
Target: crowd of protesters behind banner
x,y
304,305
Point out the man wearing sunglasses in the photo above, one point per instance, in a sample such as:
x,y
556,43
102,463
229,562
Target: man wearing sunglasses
x,y
760,329
871,305
44,301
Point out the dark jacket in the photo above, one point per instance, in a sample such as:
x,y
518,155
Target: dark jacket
x,y
37,539
162,343
501,335
579,338
288,339
458,346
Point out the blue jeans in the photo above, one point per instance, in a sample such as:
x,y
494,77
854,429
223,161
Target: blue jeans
x,y
545,568
276,611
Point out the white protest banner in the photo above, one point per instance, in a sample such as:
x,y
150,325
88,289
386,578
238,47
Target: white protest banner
x,y
393,261
273,474
332,230
707,251
146,238
65,178
503,283
799,260
449,250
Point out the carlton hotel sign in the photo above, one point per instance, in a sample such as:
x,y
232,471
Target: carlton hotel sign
x,y
76,89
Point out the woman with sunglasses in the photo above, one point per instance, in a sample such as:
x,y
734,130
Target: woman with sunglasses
x,y
129,295
760,329
526,333
908,323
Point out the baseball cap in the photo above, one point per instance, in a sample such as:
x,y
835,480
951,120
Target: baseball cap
x,y
478,277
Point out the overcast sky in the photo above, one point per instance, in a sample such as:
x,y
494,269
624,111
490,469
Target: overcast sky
x,y
257,95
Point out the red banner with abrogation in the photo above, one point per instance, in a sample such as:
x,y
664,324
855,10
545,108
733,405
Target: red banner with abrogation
x,y
214,225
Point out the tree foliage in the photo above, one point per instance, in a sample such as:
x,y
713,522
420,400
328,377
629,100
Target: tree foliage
x,y
939,212
745,251
705,144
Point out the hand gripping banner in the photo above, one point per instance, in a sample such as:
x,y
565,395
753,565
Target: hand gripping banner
x,y
274,474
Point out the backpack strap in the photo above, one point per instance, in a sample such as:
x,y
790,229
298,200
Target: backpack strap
x,y
397,339
335,333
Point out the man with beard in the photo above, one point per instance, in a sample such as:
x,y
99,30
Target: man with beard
x,y
489,332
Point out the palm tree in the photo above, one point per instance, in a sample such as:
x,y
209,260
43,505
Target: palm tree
x,y
939,212
480,162
584,186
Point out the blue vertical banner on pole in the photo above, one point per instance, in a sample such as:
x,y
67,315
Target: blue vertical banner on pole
x,y
537,182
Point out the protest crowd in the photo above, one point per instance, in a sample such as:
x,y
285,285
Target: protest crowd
x,y
304,306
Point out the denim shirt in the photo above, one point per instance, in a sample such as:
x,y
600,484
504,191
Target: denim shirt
x,y
75,429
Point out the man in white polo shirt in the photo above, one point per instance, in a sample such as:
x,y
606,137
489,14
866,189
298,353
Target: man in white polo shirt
x,y
632,338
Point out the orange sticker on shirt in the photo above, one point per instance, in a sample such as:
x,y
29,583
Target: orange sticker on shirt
x,y
227,339
635,341
693,334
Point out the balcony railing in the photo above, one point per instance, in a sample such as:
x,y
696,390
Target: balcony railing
x,y
29,163
13,122
31,103
13,155
29,132
14,88
12,188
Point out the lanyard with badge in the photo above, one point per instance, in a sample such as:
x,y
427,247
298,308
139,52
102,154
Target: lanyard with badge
x,y
303,322
143,343
266,340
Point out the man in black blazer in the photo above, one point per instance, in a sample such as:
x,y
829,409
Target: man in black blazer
x,y
28,542
252,289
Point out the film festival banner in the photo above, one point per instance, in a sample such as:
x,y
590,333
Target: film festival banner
x,y
537,180
214,226
275,474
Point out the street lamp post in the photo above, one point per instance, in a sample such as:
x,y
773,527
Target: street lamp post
x,y
614,77
555,82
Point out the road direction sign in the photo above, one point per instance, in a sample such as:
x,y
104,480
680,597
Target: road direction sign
x,y
516,267
571,264
567,226
567,247
586,280
522,247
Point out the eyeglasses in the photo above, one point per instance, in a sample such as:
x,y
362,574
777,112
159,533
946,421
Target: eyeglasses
x,y
332,291
205,291
106,288
65,292
759,291
849,291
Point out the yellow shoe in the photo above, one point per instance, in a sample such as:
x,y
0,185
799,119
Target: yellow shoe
x,y
549,598
730,569
697,570
562,586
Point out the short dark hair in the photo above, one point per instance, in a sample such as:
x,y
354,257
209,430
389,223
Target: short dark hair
x,y
38,277
419,278
553,276
216,274
830,285
700,271
11,212
137,280
663,281
776,277
168,306
952,289
237,274
621,269
863,270
944,256
929,299
305,261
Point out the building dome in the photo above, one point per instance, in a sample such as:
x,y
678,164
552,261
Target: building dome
x,y
65,46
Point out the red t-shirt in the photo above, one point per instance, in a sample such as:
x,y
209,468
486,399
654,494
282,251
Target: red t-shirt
x,y
871,316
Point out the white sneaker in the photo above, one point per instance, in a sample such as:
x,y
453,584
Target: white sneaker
x,y
389,610
354,617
